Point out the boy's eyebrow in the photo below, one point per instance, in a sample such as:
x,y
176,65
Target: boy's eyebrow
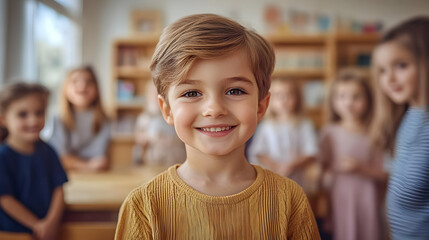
x,y
240,79
188,81
230,79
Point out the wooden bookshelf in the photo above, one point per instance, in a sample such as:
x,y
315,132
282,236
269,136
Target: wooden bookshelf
x,y
315,58
131,59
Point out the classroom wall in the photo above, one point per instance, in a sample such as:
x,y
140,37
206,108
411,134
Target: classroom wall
x,y
2,39
105,20
18,55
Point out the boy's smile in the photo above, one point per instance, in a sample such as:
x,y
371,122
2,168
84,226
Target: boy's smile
x,y
215,110
216,131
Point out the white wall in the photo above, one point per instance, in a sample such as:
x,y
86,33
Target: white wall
x,y
3,5
105,20
19,54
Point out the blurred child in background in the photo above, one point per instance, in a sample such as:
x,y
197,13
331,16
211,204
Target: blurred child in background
x,y
31,175
285,142
353,169
401,67
153,135
81,131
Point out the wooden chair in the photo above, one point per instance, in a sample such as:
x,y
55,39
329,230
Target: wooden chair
x,y
88,230
15,236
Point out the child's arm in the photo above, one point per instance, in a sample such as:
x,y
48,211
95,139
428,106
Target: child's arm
x,y
47,227
373,169
18,211
298,164
71,162
372,172
308,145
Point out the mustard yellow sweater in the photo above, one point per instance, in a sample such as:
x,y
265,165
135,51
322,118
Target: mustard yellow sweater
x,y
273,207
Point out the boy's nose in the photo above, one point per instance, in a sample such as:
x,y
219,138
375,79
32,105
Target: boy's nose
x,y
214,107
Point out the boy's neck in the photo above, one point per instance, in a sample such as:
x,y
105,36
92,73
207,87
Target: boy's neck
x,y
21,146
217,176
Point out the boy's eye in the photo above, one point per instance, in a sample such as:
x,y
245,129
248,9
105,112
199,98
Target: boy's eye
x,y
235,91
22,114
191,94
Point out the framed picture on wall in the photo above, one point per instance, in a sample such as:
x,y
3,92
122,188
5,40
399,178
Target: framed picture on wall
x,y
146,22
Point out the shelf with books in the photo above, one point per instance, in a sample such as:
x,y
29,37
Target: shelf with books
x,y
132,72
288,39
314,60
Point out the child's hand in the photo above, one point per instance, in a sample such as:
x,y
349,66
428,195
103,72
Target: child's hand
x,y
288,168
97,164
142,139
347,165
45,230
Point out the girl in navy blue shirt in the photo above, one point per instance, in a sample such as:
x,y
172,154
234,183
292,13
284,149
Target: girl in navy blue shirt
x,y
31,176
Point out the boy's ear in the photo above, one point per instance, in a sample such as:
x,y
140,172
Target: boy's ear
x,y
263,106
166,110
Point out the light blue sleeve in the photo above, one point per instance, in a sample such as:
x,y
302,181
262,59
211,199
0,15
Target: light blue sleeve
x,y
58,138
100,143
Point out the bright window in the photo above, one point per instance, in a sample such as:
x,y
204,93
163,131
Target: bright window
x,y
57,41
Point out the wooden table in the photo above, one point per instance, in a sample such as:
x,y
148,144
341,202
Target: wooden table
x,y
93,200
106,190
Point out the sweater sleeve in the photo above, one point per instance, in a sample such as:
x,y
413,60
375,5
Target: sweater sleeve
x,y
302,224
133,222
58,138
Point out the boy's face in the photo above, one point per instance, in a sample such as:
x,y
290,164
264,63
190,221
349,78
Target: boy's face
x,y
215,110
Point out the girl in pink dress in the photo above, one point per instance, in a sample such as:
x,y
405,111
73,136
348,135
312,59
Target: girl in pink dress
x,y
353,169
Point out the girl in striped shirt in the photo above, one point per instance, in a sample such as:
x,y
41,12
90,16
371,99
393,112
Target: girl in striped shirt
x,y
401,69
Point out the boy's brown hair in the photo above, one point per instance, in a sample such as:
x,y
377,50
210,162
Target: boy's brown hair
x,y
208,36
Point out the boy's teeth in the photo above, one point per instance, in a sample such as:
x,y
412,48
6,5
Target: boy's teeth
x,y
218,129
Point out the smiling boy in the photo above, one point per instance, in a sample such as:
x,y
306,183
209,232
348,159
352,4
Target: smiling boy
x,y
213,76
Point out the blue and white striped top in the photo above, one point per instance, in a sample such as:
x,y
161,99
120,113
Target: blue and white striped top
x,y
408,190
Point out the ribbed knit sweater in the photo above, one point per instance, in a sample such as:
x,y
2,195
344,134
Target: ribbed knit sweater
x,y
273,207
